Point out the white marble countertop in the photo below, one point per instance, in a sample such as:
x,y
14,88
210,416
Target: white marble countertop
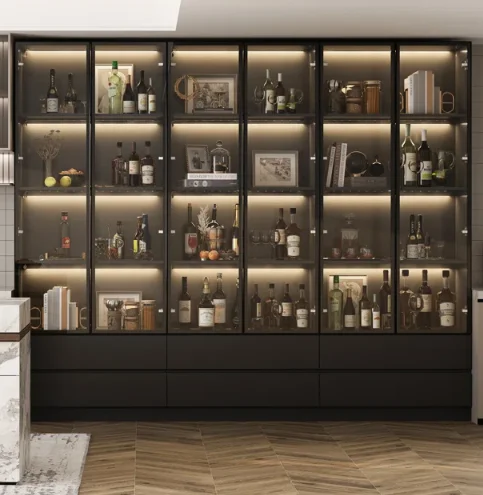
x,y
14,314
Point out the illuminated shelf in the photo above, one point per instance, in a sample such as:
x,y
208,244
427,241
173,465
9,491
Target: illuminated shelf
x,y
198,330
262,191
432,263
120,264
178,190
127,190
55,118
280,264
208,117
435,190
52,191
40,331
346,263
356,117
128,118
54,263
346,191
285,117
280,331
205,264
439,117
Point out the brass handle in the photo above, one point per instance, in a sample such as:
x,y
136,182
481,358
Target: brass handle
x,y
34,318
82,317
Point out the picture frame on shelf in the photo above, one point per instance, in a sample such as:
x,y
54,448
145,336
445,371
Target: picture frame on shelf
x,y
102,72
275,168
104,295
213,94
198,159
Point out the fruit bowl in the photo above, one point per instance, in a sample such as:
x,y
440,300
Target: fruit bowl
x,y
77,178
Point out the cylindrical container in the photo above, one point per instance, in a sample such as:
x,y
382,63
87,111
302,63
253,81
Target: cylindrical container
x,y
131,316
372,96
114,319
353,89
148,320
354,105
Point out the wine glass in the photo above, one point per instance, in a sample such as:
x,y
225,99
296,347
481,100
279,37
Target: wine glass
x,y
259,97
255,237
416,304
274,239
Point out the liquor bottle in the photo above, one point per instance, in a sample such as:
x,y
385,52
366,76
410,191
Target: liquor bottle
x,y
115,91
235,314
349,235
52,95
286,319
213,230
65,234
376,168
142,95
206,308
420,237
118,241
425,163
128,99
349,312
146,234
410,161
280,94
293,237
151,97
404,294
184,304
385,301
269,92
147,166
190,238
336,298
365,310
446,303
219,300
256,320
138,242
117,166
270,319
134,167
376,313
412,246
235,234
281,247
71,95
424,316
291,106
302,309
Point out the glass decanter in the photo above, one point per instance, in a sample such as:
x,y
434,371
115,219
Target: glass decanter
x,y
220,159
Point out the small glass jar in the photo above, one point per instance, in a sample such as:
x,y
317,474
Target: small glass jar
x,y
131,316
220,159
353,89
372,97
148,317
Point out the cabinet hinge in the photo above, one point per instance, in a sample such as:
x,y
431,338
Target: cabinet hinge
x,y
464,310
465,64
160,231
173,232
173,310
464,158
465,231
312,64
313,231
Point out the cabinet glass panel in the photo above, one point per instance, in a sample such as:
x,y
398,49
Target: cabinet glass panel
x,y
51,176
128,178
433,245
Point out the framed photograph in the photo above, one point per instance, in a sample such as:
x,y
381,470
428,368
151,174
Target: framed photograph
x,y
198,159
103,71
102,296
275,168
354,282
217,93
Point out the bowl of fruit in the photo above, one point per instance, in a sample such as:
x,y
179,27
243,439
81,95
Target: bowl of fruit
x,y
71,178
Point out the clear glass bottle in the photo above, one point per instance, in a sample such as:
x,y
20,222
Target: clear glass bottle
x,y
220,159
349,238
291,106
409,160
70,99
270,309
115,90
412,247
118,241
376,313
336,298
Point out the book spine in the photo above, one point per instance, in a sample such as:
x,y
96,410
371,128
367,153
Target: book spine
x,y
45,315
51,310
335,178
330,168
343,156
410,107
67,308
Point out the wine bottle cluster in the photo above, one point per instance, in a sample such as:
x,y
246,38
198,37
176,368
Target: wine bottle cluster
x,y
53,99
418,244
133,171
275,96
141,241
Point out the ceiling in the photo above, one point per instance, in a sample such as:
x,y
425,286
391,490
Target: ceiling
x,y
461,19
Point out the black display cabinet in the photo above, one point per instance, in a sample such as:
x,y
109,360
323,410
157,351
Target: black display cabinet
x,y
347,103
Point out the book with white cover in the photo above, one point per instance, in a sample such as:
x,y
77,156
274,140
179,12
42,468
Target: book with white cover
x,y
335,177
193,176
45,316
343,156
429,92
419,91
330,167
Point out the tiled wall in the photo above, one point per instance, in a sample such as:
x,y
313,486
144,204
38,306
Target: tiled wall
x,y
7,260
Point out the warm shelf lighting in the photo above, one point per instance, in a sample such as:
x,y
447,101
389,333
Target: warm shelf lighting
x,y
430,199
203,54
377,200
127,201
58,198
377,272
276,53
47,54
108,126
425,53
184,199
263,272
210,270
201,127
133,272
334,54
276,200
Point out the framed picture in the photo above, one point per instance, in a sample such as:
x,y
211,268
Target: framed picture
x,y
198,159
217,93
102,296
354,282
103,71
275,168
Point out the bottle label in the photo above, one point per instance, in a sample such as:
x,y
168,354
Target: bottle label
x,y
133,167
142,246
366,315
212,238
281,102
349,321
135,246
184,311
412,252
293,245
302,318
447,314
283,237
426,170
142,102
258,310
410,168
234,245
334,305
427,303
52,105
128,107
421,250
152,103
376,319
112,90
287,309
147,174
220,310
389,304
270,100
206,317
66,242
190,243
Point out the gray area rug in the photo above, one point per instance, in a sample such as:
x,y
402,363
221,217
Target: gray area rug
x,y
56,465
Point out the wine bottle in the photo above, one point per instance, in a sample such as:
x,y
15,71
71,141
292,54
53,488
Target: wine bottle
x,y
376,313
420,237
349,312
115,90
365,310
286,319
425,163
147,166
270,319
404,294
142,95
269,93
184,304
219,300
336,298
293,237
151,97
280,94
134,167
146,233
235,234
385,301
52,95
256,319
412,247
446,303
138,242
410,163
235,313
281,247
71,95
117,166
118,241
65,234
190,237
425,315
128,99
302,309
206,308
291,106
213,230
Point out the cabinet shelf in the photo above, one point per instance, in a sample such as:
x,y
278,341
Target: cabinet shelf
x,y
433,263
205,118
362,118
263,191
345,191
436,191
198,330
346,263
55,118
52,191
280,264
305,118
53,263
120,264
145,118
443,117
205,264
127,191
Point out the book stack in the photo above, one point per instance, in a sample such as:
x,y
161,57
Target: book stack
x,y
59,313
420,93
210,180
337,155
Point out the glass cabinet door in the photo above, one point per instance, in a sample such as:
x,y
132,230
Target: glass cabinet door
x,y
52,172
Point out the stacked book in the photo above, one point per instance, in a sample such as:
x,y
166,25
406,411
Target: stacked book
x,y
59,313
337,155
210,180
420,93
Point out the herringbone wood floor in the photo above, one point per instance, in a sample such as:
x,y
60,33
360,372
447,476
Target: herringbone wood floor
x,y
280,458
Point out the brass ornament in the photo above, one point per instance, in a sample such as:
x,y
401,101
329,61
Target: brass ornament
x,y
196,87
